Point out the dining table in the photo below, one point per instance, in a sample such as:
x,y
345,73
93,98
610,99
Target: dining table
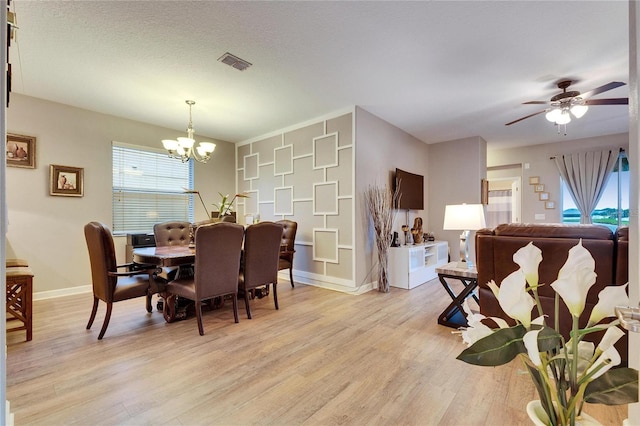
x,y
165,256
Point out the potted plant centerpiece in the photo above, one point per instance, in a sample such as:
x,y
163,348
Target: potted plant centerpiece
x,y
565,373
225,207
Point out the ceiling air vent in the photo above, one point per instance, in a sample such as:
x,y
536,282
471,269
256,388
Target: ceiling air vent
x,y
234,61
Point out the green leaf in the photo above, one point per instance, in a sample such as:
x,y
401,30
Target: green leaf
x,y
548,339
497,348
616,386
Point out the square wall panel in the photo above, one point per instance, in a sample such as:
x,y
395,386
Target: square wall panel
x,y
283,158
325,245
251,167
283,198
325,152
325,198
251,203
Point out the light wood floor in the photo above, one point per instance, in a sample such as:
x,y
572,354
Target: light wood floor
x,y
325,358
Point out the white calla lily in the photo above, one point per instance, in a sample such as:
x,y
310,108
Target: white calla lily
x,y
514,299
475,329
528,258
609,358
608,299
530,341
575,279
611,336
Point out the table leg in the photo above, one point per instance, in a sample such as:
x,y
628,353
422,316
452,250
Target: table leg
x,y
453,315
169,307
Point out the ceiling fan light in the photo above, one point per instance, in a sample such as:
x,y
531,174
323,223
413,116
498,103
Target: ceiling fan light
x,y
553,115
579,110
564,117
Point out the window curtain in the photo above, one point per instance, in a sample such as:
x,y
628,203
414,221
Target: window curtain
x,y
586,175
499,208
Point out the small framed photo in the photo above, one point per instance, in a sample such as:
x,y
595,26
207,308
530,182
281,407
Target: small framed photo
x,y
539,188
549,205
66,181
534,180
21,151
544,196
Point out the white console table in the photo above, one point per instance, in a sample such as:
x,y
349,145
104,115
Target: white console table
x,y
415,264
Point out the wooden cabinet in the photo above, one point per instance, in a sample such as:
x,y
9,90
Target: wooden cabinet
x,y
412,265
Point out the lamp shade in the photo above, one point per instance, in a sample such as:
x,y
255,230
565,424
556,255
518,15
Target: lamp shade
x,y
464,217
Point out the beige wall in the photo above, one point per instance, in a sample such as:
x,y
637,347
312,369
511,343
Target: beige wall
x,y
48,230
380,149
456,169
535,161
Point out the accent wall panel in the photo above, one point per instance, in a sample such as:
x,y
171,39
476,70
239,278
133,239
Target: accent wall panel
x,y
306,174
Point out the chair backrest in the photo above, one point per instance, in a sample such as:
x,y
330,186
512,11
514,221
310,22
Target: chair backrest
x,y
289,229
102,256
261,253
218,249
173,233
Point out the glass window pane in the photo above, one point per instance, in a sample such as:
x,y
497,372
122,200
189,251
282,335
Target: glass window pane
x,y
148,187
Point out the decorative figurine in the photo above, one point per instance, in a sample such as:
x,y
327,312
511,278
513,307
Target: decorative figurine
x,y
405,229
416,231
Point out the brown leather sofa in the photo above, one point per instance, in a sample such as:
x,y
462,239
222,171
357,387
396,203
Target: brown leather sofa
x,y
494,261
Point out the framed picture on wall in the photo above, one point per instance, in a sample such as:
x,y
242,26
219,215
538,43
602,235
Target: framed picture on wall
x,y
534,180
66,181
539,188
549,205
544,196
21,151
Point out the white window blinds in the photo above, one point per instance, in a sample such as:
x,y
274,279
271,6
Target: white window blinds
x,y
148,188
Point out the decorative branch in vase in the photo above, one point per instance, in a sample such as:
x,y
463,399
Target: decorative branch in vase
x,y
192,191
380,202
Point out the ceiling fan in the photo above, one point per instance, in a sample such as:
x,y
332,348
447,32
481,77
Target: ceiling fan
x,y
563,105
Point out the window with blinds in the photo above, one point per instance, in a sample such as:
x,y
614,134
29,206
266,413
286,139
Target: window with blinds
x,y
148,188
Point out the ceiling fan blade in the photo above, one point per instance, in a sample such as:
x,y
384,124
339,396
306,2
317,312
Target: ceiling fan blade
x,y
612,101
525,117
598,90
535,103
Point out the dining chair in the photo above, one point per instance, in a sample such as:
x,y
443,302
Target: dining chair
x,y
287,246
260,262
218,249
173,233
109,285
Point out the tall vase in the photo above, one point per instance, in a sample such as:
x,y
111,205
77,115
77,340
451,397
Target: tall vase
x,y
539,417
383,279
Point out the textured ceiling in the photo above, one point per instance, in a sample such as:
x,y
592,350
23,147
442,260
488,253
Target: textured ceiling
x,y
439,70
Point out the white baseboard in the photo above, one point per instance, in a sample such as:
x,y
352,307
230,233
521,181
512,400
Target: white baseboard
x,y
322,281
41,295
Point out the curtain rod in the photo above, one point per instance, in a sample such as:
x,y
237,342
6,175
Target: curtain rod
x,y
554,157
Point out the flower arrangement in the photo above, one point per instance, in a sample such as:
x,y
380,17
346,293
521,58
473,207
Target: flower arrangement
x,y
565,373
226,207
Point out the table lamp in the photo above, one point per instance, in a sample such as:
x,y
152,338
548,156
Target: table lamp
x,y
465,218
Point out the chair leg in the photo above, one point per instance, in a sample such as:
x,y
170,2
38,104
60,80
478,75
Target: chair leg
x,y
149,308
291,277
93,312
246,304
199,317
275,294
105,324
235,307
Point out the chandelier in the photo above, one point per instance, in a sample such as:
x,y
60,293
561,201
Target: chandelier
x,y
183,147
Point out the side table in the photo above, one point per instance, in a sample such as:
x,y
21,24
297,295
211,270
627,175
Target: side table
x,y
19,295
453,315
